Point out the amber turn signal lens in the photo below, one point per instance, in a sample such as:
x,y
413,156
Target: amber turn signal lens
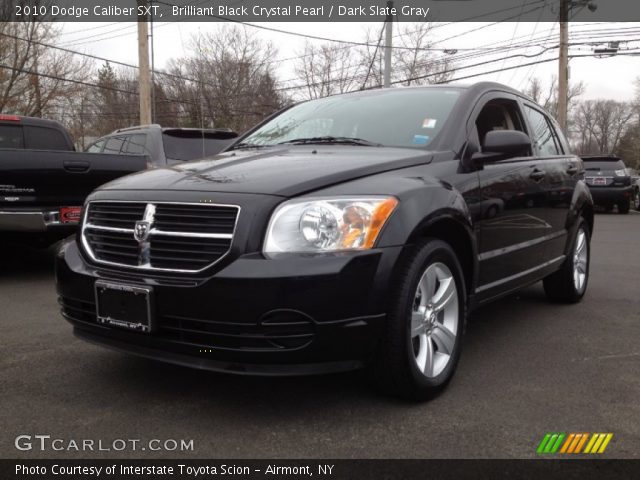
x,y
379,217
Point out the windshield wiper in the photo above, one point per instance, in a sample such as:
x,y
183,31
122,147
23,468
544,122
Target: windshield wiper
x,y
242,145
332,140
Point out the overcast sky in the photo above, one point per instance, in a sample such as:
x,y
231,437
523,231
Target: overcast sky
x,y
611,77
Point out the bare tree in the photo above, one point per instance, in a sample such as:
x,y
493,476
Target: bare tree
x,y
33,77
328,69
629,147
547,95
415,61
601,125
228,82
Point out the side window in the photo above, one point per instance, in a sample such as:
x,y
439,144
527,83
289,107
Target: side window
x,y
113,145
561,140
542,134
43,138
135,144
499,114
96,147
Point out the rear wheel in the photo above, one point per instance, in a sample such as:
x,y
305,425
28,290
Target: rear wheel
x,y
623,207
421,348
569,284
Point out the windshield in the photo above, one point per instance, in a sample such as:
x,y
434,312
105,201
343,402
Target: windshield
x,y
397,117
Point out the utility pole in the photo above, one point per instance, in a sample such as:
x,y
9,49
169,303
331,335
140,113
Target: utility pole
x,y
563,59
144,73
153,70
387,45
563,65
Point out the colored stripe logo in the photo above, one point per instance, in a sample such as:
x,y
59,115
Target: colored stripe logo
x,y
573,443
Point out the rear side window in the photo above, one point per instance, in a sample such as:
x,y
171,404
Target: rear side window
x,y
134,144
11,136
43,138
183,148
96,147
541,133
113,145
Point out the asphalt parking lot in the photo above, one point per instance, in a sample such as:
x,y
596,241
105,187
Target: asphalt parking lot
x,y
528,367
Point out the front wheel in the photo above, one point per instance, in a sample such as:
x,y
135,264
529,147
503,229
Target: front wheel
x,y
421,348
636,199
569,284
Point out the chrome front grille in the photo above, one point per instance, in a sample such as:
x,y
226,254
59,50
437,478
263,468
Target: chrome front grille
x,y
176,237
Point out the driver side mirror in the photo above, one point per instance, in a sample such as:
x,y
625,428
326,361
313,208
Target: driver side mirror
x,y
503,144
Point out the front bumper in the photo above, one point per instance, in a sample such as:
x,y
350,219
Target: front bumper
x,y
295,314
610,195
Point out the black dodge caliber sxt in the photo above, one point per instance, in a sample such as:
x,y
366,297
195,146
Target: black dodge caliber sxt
x,y
353,231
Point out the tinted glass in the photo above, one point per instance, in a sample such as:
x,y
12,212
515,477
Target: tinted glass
x,y
135,144
191,148
542,134
406,118
114,144
96,147
43,138
11,136
599,165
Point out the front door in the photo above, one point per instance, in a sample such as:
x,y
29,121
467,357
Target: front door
x,y
515,224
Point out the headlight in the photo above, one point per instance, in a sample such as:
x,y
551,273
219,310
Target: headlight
x,y
328,224
620,173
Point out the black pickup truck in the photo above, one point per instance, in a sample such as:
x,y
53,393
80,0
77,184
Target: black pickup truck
x,y
44,181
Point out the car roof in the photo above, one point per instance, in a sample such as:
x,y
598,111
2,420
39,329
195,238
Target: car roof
x,y
444,86
155,126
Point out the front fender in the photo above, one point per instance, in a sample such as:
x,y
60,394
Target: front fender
x,y
581,203
421,208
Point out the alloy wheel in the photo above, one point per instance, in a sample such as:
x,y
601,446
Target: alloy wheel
x,y
580,261
434,319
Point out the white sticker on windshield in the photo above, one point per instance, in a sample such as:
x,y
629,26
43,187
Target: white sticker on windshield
x,y
429,123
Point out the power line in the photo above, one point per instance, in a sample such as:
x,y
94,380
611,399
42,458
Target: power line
x,y
324,39
626,30
375,53
633,53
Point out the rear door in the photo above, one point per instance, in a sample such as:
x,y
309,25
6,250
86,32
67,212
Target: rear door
x,y
514,223
561,170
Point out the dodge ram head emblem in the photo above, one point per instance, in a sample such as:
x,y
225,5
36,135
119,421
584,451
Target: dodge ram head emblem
x,y
141,230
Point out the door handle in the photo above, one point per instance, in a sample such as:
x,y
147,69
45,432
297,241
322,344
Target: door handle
x,y
76,167
537,175
572,169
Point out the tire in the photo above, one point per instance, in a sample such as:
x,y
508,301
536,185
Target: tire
x,y
421,346
569,284
624,207
636,199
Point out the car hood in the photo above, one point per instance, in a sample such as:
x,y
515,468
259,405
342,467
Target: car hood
x,y
284,171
